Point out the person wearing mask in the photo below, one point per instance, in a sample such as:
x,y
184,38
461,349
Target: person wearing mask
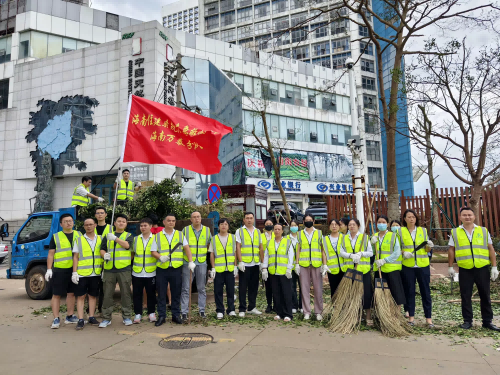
x,y
310,263
344,225
277,266
117,255
170,259
87,269
416,265
126,188
60,269
144,271
198,237
389,259
249,252
224,269
81,195
335,264
296,300
472,247
395,225
356,250
267,236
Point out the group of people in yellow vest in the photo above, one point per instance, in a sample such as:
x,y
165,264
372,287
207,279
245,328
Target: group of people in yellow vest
x,y
171,259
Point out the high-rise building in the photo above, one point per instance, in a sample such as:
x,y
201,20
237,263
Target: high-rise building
x,y
182,15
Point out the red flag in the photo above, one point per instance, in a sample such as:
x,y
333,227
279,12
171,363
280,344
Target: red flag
x,y
162,134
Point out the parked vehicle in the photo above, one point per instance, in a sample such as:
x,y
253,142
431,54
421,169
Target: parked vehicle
x,y
278,209
4,248
318,211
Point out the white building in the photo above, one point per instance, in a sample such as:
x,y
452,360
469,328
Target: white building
x,y
182,15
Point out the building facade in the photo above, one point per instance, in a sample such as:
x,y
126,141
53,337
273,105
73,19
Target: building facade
x,y
182,15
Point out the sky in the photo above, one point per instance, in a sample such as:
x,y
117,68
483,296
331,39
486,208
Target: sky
x,y
148,10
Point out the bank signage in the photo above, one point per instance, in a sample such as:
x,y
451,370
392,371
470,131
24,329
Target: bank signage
x,y
303,187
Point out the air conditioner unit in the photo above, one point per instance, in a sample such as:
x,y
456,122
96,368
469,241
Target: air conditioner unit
x,y
335,137
334,102
291,131
314,135
274,92
288,95
312,100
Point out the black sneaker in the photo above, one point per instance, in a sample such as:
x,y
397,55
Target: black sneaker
x,y
93,321
184,318
80,324
269,309
202,314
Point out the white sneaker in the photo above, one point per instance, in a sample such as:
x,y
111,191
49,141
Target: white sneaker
x,y
105,323
294,311
232,313
287,319
301,311
152,317
307,317
220,315
277,317
241,314
255,312
319,318
137,319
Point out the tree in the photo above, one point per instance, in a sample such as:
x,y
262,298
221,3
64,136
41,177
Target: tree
x,y
464,92
408,20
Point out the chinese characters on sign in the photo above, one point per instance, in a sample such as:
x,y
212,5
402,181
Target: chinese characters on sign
x,y
340,188
168,83
139,173
288,186
135,71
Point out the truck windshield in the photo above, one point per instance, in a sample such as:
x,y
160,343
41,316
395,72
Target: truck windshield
x,y
36,229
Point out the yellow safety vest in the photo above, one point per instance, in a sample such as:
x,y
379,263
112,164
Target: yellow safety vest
x,y
198,246
471,254
124,192
263,239
421,257
310,253
89,261
78,200
63,258
388,242
249,245
143,260
106,230
224,256
278,258
361,246
333,259
120,257
294,250
164,248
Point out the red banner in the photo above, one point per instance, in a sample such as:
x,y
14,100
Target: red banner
x,y
162,134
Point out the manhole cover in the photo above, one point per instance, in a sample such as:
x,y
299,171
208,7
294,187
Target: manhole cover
x,y
186,341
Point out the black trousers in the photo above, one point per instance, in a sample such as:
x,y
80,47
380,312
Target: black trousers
x,y
224,278
282,292
269,293
296,302
248,280
334,281
138,285
164,277
466,280
409,276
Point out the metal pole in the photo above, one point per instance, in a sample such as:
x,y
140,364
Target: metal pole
x,y
356,148
178,104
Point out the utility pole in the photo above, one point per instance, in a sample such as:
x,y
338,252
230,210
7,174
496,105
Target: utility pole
x,y
354,144
178,104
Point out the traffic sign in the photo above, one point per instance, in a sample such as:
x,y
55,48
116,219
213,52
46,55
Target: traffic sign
x,y
214,193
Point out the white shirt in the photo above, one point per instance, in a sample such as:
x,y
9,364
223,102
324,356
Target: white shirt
x,y
223,241
238,240
334,240
92,244
82,192
309,236
451,242
289,266
364,254
154,247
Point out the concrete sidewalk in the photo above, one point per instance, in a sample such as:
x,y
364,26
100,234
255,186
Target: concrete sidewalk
x,y
30,346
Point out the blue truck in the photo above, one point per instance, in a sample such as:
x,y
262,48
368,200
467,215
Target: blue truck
x,y
30,248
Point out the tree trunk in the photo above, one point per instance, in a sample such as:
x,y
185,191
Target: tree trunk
x,y
475,200
432,183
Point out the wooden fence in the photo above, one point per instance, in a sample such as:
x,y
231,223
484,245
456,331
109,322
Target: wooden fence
x,y
450,199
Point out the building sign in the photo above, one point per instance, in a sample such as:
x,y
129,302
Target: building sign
x,y
140,173
169,82
136,77
303,187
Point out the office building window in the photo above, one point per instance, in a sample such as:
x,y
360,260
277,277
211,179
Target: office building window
x,y
5,48
375,177
338,60
322,61
226,5
281,23
363,31
299,18
300,53
366,48
210,9
244,3
40,45
300,35
245,14
367,14
213,36
282,40
112,21
246,43
369,101
263,41
228,35
371,125
296,4
373,150
227,18
339,45
280,6
340,26
368,83
367,66
320,30
245,32
262,28
337,14
262,10
321,49
282,52
4,93
211,22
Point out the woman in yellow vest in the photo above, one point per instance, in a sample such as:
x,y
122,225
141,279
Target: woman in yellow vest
x,y
395,225
267,236
389,259
334,262
344,224
356,249
416,265
296,300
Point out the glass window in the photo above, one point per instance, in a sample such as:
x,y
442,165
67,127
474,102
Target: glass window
x,y
292,127
367,66
300,52
262,10
55,45
338,61
339,45
245,31
311,99
213,36
295,4
300,35
283,52
262,28
363,31
4,93
366,48
369,102
112,21
210,9
371,124
212,22
346,104
228,35
36,229
329,102
68,45
5,48
321,49
281,23
201,71
321,132
283,40
320,30
375,177
340,26
224,5
38,45
313,134
299,18
263,41
246,43
280,6
373,150
368,83
227,18
245,14
322,61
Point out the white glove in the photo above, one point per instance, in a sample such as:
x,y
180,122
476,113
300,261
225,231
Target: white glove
x,y
110,237
117,181
235,271
107,256
100,199
297,269
324,269
138,184
75,278
374,240
451,271
380,262
261,266
430,244
48,275
164,258
265,274
356,258
191,266
241,266
494,273
212,273
288,274
407,255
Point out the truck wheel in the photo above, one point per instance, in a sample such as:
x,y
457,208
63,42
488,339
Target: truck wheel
x,y
36,286
2,259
